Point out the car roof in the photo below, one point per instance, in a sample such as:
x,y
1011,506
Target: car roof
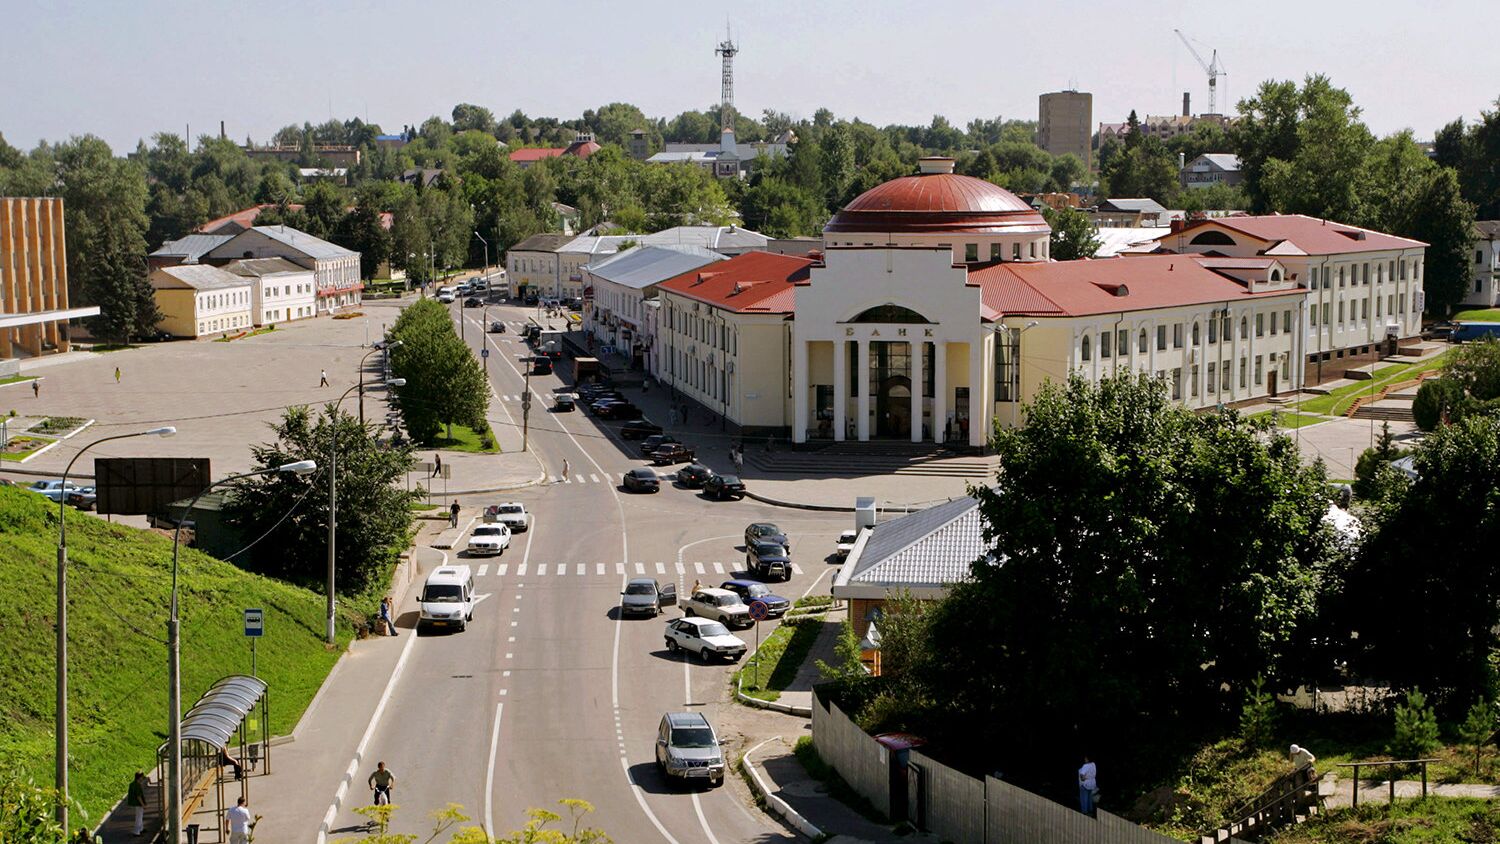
x,y
687,719
741,582
730,479
645,580
771,525
715,591
449,574
767,544
696,621
511,504
642,472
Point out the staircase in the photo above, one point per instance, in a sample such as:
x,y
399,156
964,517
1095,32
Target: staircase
x,y
1291,799
851,459
1389,412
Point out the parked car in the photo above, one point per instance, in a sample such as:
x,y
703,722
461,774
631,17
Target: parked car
x,y
512,514
53,490
751,591
564,402
541,365
84,498
688,748
446,297
488,540
652,443
719,605
619,410
724,487
767,560
497,327
694,475
766,532
705,637
597,407
575,304
846,543
671,454
639,429
644,596
532,299
642,480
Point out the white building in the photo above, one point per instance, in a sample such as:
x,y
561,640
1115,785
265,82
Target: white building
x,y
335,269
198,300
281,291
532,265
1485,292
620,287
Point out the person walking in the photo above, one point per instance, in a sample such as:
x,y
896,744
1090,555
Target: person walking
x,y
381,782
135,798
385,616
240,823
117,375
36,388
1088,786
437,465
565,470
322,377
453,514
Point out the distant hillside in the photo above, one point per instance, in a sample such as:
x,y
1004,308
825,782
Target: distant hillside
x,y
119,585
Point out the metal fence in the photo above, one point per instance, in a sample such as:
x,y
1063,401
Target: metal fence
x,y
862,762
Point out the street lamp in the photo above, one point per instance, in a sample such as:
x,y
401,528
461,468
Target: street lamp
x,y
379,347
1016,399
486,255
333,486
62,618
174,653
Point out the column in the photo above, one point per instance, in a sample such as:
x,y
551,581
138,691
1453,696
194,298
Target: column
x,y
862,383
977,416
840,388
799,391
939,389
918,383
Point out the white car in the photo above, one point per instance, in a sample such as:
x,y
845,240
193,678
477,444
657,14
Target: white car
x,y
488,540
446,297
512,514
703,637
846,543
720,605
53,490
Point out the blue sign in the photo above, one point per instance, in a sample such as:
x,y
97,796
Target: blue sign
x,y
254,623
759,611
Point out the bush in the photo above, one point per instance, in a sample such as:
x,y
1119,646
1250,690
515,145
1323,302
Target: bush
x,y
1373,460
1258,715
1477,729
1436,397
1416,728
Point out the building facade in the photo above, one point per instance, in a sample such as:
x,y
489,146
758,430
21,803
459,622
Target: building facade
x,y
198,300
281,291
624,286
34,309
1212,168
335,269
532,266
1065,125
1484,292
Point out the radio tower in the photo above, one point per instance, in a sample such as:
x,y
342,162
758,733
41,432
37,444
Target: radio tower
x,y
727,49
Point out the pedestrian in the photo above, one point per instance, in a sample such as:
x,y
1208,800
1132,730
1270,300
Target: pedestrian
x,y
646,386
36,388
117,375
1088,786
385,616
1301,757
696,586
322,377
240,823
453,514
565,469
381,782
135,798
437,465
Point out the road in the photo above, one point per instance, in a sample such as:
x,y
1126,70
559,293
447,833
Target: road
x,y
549,694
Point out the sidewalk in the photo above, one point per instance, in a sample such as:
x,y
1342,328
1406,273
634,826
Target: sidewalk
x,y
799,693
1379,791
475,473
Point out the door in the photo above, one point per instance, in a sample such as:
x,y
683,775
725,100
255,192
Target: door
x,y
899,788
916,795
668,595
1271,383
893,408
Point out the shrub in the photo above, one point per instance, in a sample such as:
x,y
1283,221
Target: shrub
x,y
1258,715
1477,729
1416,727
1373,461
1435,397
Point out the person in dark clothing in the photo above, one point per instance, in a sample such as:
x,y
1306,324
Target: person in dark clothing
x,y
453,514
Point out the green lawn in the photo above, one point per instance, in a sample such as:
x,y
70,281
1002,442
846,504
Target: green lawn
x,y
467,439
1338,402
779,657
119,584
1286,419
1436,819
23,447
1478,315
13,379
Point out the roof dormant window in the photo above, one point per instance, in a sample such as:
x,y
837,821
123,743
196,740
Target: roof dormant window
x,y
1212,238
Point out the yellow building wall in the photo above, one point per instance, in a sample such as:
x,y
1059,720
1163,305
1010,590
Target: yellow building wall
x,y
760,371
178,311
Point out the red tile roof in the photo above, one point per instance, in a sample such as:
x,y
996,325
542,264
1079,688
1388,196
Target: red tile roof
x,y
754,282
1085,288
1312,235
535,153
245,218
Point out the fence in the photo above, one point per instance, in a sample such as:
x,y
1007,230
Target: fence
x,y
859,759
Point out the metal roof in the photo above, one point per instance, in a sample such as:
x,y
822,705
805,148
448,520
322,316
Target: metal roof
x,y
709,237
312,247
644,266
264,267
923,552
215,717
195,276
190,247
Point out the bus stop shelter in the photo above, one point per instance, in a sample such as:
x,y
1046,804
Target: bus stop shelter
x,y
216,735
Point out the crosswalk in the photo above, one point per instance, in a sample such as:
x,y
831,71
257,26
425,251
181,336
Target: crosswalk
x,y
604,478
574,571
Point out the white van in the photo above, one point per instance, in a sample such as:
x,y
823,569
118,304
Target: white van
x,y
447,294
447,598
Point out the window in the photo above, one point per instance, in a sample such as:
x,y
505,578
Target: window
x,y
1033,249
1196,335
1403,271
1364,309
1212,238
994,251
1341,278
1243,383
1083,349
1213,381
1177,384
1365,273
1122,343
1193,383
971,252
1403,303
1341,312
1478,256
1228,328
1161,338
1213,331
1378,301
1244,328
1226,373
1106,342
1258,370
1177,336
1015,251
1390,304
1141,342
1260,325
1326,313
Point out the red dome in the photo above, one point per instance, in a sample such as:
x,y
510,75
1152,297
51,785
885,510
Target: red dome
x,y
933,203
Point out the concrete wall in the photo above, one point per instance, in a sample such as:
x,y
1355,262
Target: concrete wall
x,y
859,759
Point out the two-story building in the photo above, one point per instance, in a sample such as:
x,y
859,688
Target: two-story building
x,y
1212,168
198,300
532,265
623,284
281,290
1485,293
335,269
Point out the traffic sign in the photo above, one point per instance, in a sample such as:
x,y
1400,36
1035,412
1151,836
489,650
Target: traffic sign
x,y
759,611
484,353
254,622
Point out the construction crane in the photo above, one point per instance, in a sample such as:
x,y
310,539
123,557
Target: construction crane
x,y
1212,68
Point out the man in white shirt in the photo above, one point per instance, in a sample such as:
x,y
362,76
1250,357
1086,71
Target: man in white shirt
x,y
1088,786
239,823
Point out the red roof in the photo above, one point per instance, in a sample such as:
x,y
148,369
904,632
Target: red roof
x,y
1312,235
936,203
535,153
582,149
1085,288
753,282
244,218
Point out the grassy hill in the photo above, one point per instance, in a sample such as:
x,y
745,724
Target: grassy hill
x,y
119,586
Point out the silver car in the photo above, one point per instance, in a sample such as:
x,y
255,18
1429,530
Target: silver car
x,y
687,748
644,596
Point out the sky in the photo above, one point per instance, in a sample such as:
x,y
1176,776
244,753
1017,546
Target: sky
x,y
126,70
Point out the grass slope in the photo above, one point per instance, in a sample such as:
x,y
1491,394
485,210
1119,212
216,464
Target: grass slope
x,y
119,584
1435,819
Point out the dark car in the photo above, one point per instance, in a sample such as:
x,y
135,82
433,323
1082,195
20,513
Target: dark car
x,y
473,302
541,365
619,410
83,497
532,299
766,532
724,487
563,402
644,596
694,475
639,428
641,480
497,327
597,407
767,560
750,590
575,305
650,444
672,453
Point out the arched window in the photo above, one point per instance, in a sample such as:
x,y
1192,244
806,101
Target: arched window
x,y
1212,238
1276,275
1086,349
889,313
1244,328
1195,334
1143,341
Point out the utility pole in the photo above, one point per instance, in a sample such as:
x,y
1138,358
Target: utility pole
x,y
526,408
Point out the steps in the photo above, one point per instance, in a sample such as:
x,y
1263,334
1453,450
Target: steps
x,y
1386,413
877,458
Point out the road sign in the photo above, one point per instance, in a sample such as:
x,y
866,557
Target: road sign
x,y
254,622
484,353
759,611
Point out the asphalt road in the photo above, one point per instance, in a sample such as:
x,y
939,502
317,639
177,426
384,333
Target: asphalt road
x,y
549,694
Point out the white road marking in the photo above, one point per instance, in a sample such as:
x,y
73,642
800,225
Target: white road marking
x,y
504,692
541,569
521,570
816,580
489,772
583,569
509,656
641,799
504,673
708,830
595,478
681,569
511,639
718,568
598,568
500,569
661,568
640,568
796,569
484,569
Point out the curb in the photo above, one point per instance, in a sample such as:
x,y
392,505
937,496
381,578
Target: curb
x,y
541,478
794,505
776,804
785,708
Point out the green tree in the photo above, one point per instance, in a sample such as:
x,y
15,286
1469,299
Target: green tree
x,y
374,509
1258,715
362,231
473,118
444,383
1143,169
1266,132
1416,730
1475,368
1073,234
1477,729
781,209
1373,461
836,165
1435,402
1323,177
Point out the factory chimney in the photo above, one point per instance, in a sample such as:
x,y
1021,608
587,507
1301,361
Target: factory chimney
x,y
1187,103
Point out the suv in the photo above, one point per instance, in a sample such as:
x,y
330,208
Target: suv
x,y
694,475
765,559
512,514
766,532
688,748
724,487
671,453
704,637
750,591
719,605
644,596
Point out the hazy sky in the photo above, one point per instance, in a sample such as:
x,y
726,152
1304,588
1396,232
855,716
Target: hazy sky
x,y
124,69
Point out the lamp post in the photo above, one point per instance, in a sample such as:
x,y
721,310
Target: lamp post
x,y
379,347
174,653
486,255
333,499
1016,399
62,619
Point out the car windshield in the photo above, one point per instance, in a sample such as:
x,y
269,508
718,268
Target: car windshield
x,y
848,536
713,628
443,593
769,549
729,480
758,590
645,474
488,530
692,737
640,589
